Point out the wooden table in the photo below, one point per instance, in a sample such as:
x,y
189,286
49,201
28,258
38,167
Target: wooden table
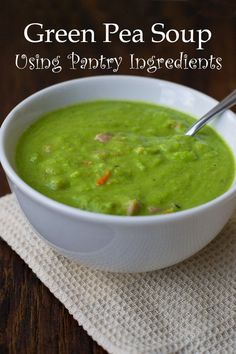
x,y
31,319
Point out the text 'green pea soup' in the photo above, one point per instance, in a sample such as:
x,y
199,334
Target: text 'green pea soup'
x,y
124,158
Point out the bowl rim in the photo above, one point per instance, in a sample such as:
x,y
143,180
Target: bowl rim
x,y
88,215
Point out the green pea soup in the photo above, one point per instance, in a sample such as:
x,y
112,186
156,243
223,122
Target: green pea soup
x,y
124,158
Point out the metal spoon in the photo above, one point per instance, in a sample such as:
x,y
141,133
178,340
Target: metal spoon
x,y
227,102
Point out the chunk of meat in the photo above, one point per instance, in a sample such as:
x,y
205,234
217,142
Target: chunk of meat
x,y
103,137
154,210
133,207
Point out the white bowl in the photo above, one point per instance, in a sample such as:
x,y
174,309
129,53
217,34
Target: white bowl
x,y
117,243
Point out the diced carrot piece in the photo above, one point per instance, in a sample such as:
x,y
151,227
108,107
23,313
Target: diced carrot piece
x,y
102,180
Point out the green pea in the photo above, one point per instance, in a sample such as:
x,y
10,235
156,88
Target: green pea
x,y
140,166
57,183
34,157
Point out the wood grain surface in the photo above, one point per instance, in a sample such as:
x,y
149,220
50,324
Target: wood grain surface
x,y
31,319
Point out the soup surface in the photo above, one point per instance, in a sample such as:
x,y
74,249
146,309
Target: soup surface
x,y
124,158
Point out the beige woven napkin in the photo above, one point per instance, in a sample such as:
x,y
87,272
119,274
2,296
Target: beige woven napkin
x,y
188,308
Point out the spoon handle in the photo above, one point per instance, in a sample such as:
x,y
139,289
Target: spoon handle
x,y
227,102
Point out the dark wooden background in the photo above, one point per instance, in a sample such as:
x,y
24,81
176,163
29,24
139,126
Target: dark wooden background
x,y
31,319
